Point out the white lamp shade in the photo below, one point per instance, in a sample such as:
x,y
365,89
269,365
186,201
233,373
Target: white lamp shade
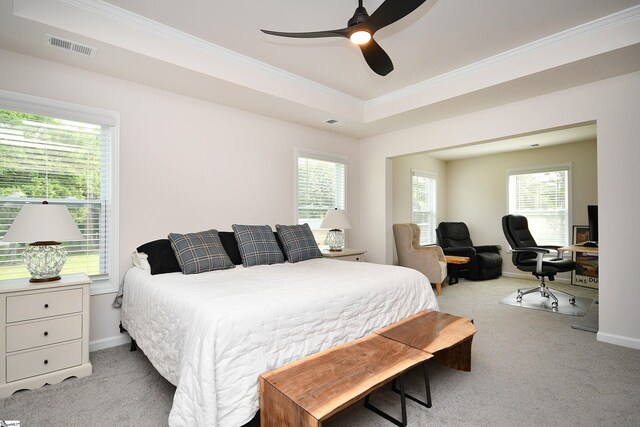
x,y
43,223
335,219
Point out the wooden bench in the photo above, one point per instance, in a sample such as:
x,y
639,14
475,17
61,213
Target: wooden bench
x,y
446,336
310,390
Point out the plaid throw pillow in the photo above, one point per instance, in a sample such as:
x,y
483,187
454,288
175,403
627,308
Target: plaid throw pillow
x,y
257,245
200,252
298,242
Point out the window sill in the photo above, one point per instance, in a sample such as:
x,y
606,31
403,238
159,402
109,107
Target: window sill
x,y
102,286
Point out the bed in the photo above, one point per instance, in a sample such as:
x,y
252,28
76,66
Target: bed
x,y
212,334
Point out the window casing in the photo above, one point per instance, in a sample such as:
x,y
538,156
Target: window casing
x,y
320,186
65,154
423,205
542,195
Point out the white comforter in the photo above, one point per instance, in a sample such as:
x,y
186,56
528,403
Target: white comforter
x,y
212,334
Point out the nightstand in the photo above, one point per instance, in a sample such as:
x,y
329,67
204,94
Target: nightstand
x,y
346,254
44,332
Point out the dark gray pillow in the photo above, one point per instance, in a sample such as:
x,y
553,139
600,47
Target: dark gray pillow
x,y
298,242
199,252
257,245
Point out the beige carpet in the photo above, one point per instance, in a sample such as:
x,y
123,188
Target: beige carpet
x,y
529,369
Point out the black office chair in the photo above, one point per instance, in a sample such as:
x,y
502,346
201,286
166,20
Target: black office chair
x,y
527,255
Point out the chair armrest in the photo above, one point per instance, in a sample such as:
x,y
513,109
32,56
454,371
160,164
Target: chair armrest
x,y
539,251
552,247
426,259
488,248
433,248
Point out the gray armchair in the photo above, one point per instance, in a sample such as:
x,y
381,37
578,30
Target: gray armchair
x,y
429,260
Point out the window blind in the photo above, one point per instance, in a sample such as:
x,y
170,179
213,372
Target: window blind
x,y
64,162
321,186
543,197
423,205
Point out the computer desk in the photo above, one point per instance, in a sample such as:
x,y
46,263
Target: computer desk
x,y
583,249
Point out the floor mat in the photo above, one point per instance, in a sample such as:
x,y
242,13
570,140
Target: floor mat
x,y
537,302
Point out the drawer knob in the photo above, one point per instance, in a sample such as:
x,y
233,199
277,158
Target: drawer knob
x,y
46,306
46,361
46,333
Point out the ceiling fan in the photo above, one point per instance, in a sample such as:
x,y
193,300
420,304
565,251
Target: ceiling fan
x,y
361,28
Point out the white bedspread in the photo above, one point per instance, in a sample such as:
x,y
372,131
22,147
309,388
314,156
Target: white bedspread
x,y
212,334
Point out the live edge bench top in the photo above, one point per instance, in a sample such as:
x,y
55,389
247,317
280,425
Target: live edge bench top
x,y
325,383
446,336
306,392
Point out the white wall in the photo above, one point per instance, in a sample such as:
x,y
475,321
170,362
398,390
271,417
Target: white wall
x,y
613,103
185,164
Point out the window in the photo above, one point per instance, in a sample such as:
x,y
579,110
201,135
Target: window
x,y
49,153
542,196
321,185
423,205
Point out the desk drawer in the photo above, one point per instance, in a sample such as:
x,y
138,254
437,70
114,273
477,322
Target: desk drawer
x,y
45,304
43,332
38,362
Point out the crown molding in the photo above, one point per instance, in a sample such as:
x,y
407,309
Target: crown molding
x,y
37,10
596,25
166,32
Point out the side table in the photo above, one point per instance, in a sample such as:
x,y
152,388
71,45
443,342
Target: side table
x,y
346,254
454,266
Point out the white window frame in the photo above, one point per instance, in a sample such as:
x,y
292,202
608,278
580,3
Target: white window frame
x,y
434,177
541,169
70,111
318,155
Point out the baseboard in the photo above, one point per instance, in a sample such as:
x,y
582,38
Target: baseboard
x,y
619,340
109,342
529,276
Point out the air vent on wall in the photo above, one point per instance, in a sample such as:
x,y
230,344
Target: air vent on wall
x,y
71,46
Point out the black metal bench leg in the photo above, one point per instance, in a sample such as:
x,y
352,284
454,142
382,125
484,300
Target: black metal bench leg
x,y
425,371
403,404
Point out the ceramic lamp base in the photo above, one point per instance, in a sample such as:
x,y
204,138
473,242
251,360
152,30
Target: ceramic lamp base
x,y
44,260
335,240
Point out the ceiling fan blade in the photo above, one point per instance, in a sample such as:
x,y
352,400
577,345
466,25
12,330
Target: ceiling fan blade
x,y
377,58
391,11
342,32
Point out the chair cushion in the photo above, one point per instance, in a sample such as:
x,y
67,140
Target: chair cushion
x,y
443,270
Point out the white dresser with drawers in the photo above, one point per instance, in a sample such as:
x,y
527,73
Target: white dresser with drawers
x,y
44,332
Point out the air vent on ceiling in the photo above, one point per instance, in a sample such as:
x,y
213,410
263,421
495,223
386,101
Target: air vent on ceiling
x,y
71,46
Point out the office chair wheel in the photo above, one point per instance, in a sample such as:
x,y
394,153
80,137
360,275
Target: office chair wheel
x,y
572,300
554,305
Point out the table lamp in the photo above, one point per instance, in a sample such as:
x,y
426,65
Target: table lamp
x,y
336,220
45,226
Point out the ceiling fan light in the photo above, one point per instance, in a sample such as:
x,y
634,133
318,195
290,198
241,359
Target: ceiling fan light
x,y
360,37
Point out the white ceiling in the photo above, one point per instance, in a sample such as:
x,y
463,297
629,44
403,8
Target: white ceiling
x,y
450,56
544,138
440,36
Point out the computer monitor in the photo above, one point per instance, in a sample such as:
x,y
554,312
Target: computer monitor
x,y
592,211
